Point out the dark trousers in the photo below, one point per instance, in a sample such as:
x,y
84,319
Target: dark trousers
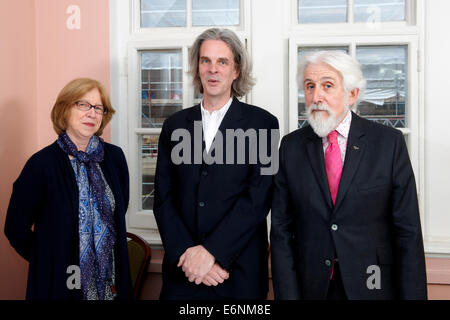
x,y
336,289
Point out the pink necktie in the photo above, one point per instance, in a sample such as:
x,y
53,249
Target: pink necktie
x,y
333,164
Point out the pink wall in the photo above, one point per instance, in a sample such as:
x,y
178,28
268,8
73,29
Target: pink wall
x,y
64,54
18,126
38,56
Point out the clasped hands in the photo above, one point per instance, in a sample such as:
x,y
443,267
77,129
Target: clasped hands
x,y
199,265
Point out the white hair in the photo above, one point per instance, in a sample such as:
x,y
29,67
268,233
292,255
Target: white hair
x,y
347,66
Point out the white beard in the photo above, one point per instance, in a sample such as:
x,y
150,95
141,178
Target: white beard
x,y
321,126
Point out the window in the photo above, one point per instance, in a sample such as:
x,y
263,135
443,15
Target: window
x,y
386,47
155,38
188,13
149,152
162,86
322,11
162,94
163,13
150,44
384,10
341,11
385,69
215,13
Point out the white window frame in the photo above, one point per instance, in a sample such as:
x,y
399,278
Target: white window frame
x,y
349,26
144,218
165,32
352,34
128,39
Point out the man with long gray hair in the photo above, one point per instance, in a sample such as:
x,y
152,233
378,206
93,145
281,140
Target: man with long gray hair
x,y
211,197
345,216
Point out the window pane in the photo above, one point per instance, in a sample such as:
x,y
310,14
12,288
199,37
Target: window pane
x,y
163,13
385,70
162,86
149,154
322,11
215,13
379,10
302,121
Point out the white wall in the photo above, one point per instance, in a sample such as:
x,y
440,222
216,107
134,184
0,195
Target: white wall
x,y
270,58
436,126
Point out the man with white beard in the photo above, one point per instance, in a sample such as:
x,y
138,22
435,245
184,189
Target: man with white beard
x,y
345,217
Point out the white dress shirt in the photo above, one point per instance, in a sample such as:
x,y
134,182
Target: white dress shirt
x,y
211,122
343,129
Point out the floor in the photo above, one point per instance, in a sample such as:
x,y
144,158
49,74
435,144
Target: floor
x,y
437,275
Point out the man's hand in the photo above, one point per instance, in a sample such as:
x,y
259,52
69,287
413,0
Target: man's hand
x,y
196,262
215,276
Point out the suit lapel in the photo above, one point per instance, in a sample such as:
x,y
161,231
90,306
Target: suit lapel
x,y
194,114
232,117
314,150
195,128
353,155
229,121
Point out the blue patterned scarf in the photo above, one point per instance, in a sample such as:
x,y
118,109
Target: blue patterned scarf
x,y
96,221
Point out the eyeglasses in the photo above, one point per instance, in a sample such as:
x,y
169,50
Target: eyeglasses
x,y
86,106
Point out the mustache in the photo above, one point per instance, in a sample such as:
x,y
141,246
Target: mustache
x,y
319,107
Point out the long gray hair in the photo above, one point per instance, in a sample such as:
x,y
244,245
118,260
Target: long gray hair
x,y
243,84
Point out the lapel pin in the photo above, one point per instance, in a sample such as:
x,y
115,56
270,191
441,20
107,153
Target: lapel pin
x,y
356,147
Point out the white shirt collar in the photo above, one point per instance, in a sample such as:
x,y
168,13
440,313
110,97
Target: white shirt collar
x,y
220,112
344,127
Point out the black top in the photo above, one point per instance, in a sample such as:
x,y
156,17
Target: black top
x,y
222,206
42,221
373,228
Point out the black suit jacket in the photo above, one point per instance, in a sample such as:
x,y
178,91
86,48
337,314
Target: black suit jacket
x,y
220,206
45,197
376,214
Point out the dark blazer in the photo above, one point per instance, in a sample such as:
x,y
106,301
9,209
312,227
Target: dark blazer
x,y
42,221
376,217
220,206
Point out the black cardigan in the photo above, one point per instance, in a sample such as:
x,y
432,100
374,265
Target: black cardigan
x,y
42,221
